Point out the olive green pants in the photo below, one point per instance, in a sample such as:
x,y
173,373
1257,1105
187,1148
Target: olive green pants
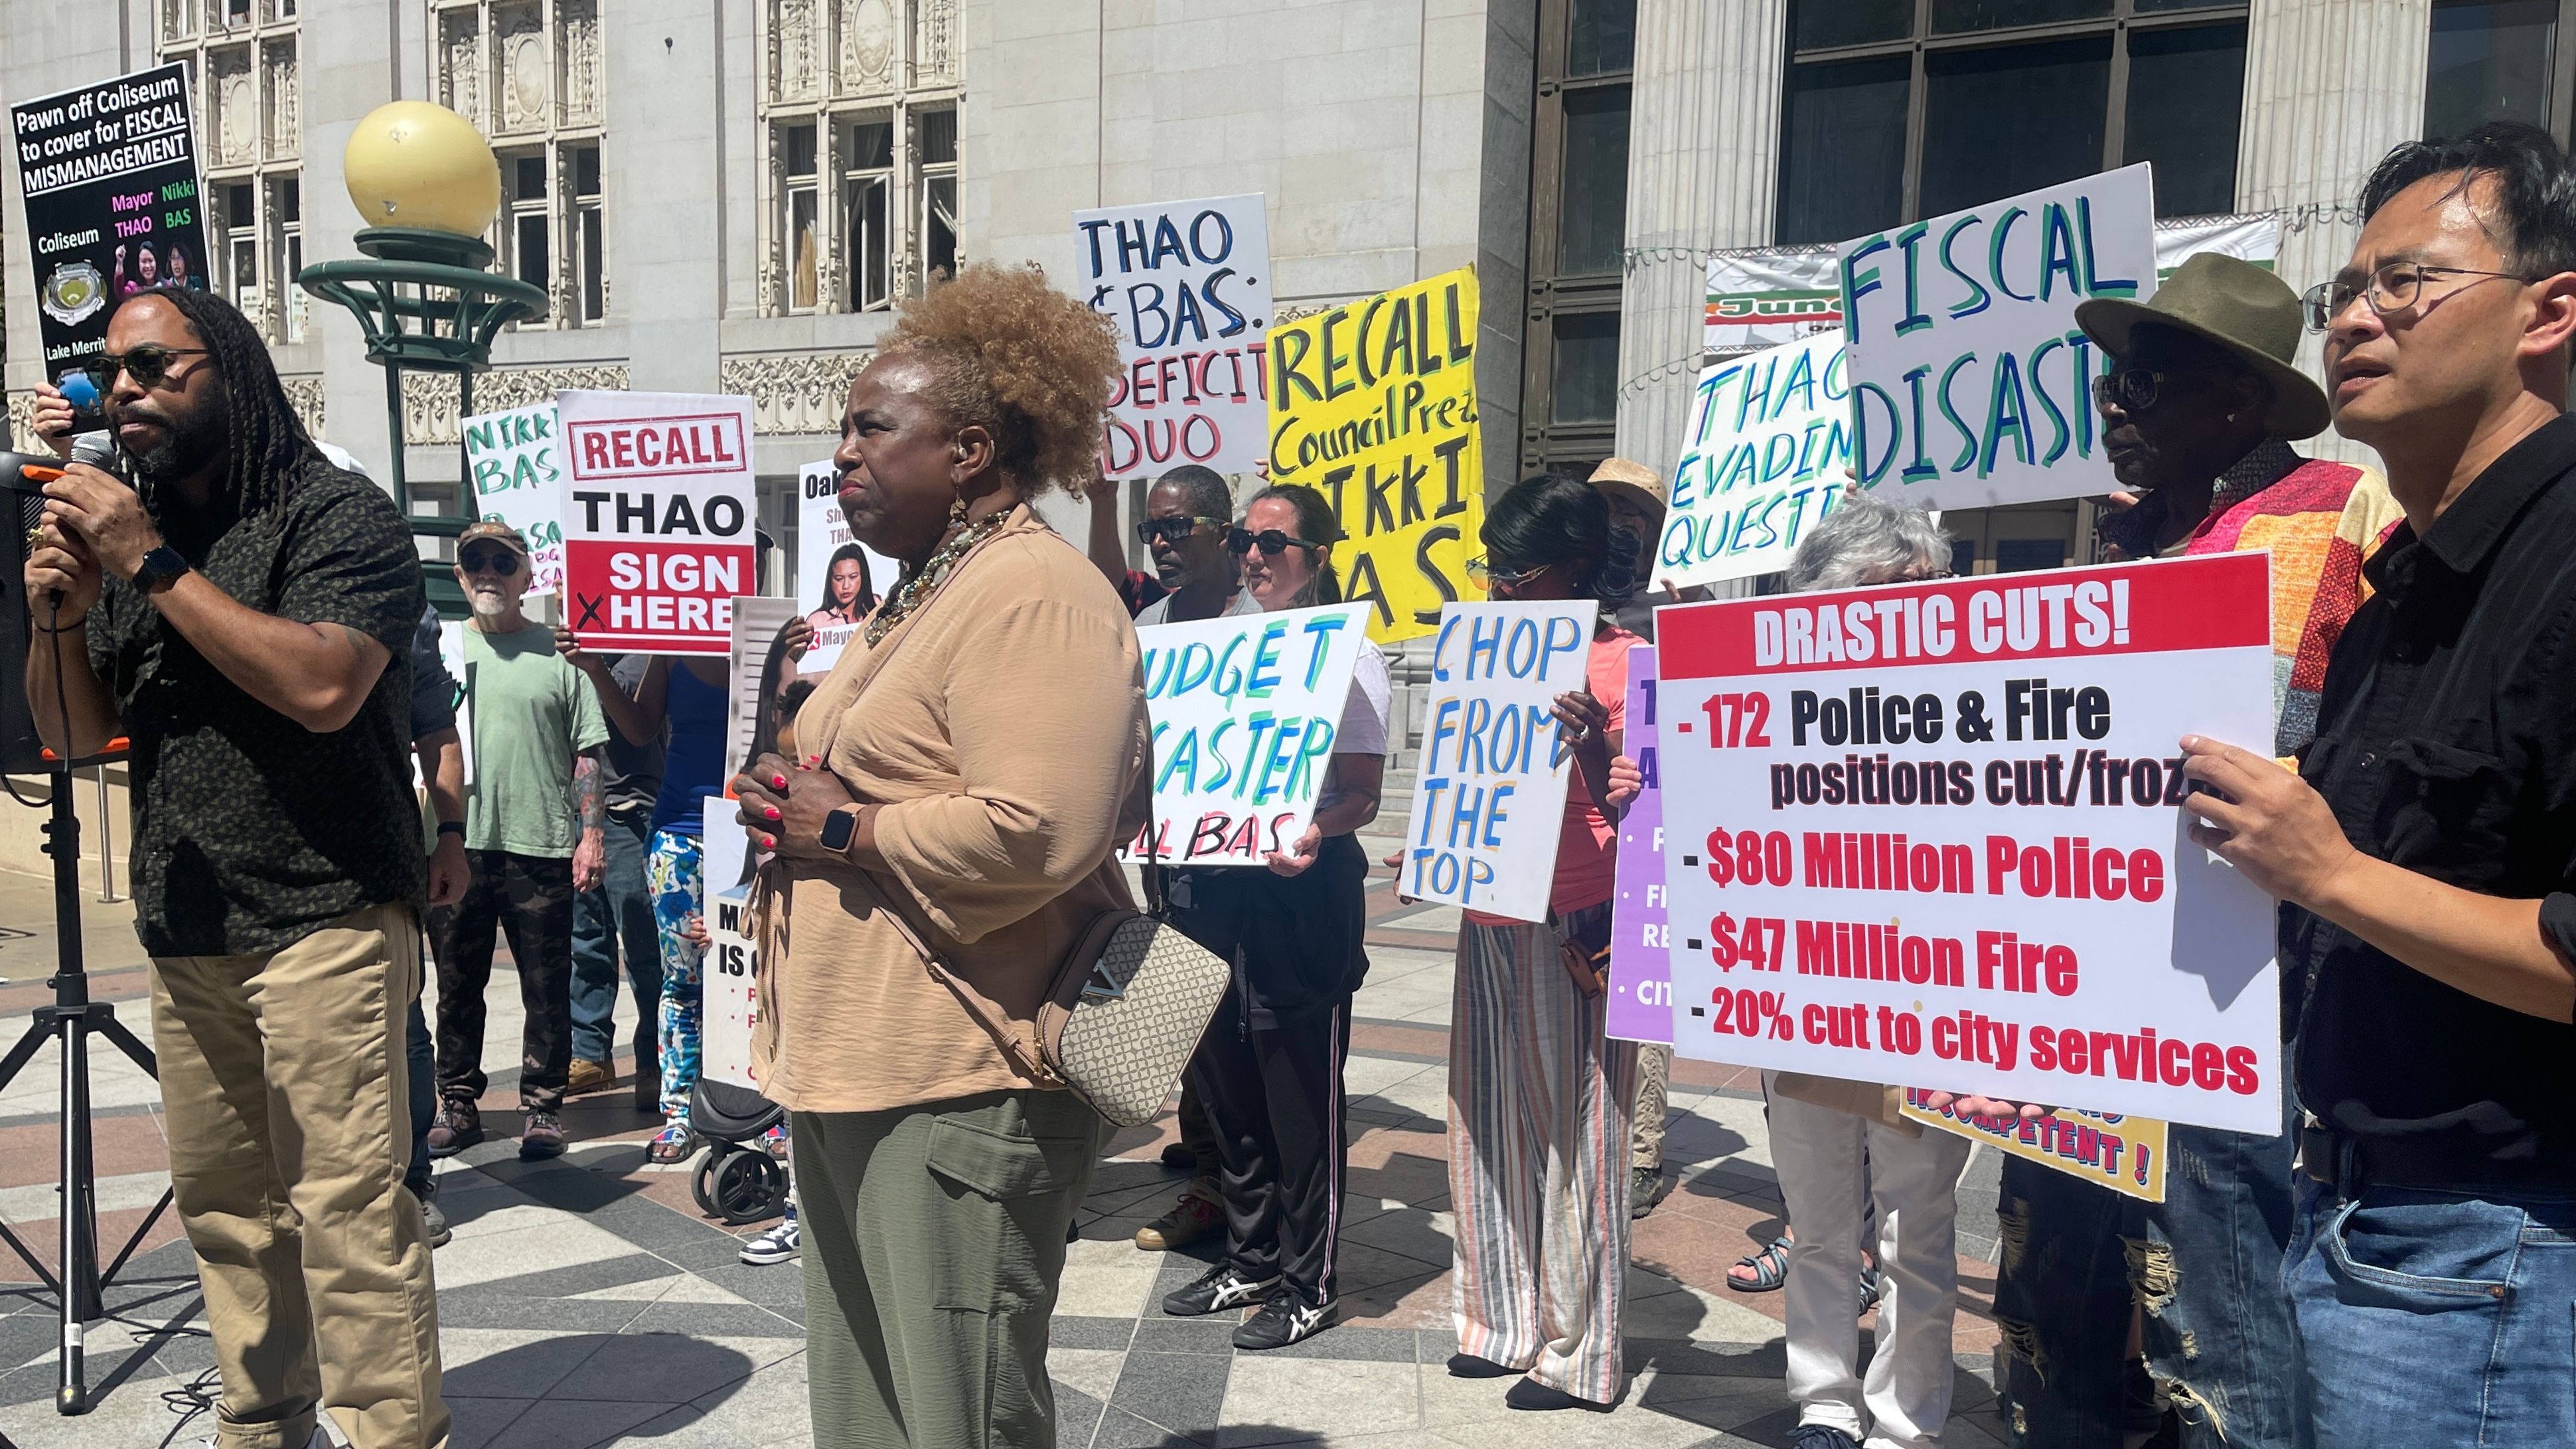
x,y
934,1240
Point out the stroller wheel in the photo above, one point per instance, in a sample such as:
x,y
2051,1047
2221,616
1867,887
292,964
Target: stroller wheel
x,y
739,1186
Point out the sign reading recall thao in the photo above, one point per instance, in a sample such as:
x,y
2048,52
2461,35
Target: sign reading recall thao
x,y
658,516
1188,284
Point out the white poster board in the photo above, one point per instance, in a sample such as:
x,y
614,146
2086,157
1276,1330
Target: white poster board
x,y
822,532
659,519
756,622
727,1003
1246,709
518,480
1929,835
1188,285
1489,798
1971,383
1765,449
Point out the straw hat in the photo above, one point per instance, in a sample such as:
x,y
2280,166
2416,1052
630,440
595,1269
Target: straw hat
x,y
1635,479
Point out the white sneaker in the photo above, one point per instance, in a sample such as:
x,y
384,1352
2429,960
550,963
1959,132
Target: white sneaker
x,y
774,1246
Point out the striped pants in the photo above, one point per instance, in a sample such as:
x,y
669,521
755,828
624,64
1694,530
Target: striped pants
x,y
1538,1162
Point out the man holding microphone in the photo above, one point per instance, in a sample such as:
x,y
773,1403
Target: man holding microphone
x,y
236,619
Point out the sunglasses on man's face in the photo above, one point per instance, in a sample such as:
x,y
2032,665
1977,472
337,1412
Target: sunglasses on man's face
x,y
148,365
1172,530
488,561
1270,541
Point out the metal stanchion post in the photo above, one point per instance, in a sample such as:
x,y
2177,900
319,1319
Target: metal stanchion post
x,y
106,844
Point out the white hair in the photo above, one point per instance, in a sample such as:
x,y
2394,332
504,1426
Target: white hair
x,y
1865,540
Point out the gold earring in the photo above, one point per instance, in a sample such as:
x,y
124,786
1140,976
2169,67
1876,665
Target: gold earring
x,y
957,513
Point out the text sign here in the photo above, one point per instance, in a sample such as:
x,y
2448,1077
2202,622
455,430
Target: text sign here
x,y
1245,711
1489,798
1971,383
821,533
1928,834
518,480
1765,447
1188,285
1373,404
1641,968
659,519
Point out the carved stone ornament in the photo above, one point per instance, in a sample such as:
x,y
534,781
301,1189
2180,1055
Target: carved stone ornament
x,y
793,392
868,35
22,422
304,394
935,55
580,45
236,112
429,398
797,51
284,94
522,70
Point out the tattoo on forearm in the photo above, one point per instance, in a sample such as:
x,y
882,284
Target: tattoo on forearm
x,y
585,793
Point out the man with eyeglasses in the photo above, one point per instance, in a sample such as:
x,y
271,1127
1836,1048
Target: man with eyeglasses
x,y
241,613
2425,852
2198,410
534,839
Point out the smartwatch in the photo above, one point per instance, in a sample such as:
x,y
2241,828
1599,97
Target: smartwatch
x,y
452,827
840,828
161,568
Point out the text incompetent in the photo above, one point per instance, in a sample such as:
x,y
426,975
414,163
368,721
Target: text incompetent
x,y
659,519
1490,796
1929,834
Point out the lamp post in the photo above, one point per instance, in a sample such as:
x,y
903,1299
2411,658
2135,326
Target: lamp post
x,y
423,293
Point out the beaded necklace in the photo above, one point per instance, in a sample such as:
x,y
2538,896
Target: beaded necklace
x,y
916,590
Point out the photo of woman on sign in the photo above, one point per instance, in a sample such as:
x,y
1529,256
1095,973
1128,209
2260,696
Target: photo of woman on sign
x,y
848,594
147,270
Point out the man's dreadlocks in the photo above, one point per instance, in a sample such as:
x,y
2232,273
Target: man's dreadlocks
x,y
270,449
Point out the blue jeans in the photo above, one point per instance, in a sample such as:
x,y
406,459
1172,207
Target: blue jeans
x,y
619,913
2435,1318
424,1096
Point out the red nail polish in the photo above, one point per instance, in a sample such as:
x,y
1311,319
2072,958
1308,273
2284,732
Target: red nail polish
x,y
778,782
772,812
769,842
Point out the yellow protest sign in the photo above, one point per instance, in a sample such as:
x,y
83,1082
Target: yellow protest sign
x,y
2124,1154
1373,405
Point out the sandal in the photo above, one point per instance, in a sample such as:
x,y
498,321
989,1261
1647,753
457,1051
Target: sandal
x,y
673,1144
1770,1268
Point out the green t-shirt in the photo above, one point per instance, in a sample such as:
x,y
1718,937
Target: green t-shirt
x,y
530,713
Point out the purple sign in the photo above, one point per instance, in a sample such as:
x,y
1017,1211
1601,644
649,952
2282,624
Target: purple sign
x,y
1641,968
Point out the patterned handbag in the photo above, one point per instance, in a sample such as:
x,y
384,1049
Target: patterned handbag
x,y
1125,1009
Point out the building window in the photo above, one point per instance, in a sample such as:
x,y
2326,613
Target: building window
x,y
527,74
1578,232
2495,61
859,115
1893,109
241,57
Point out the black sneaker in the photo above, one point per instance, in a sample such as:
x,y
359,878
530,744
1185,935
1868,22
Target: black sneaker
x,y
1285,1318
1821,1436
1216,1290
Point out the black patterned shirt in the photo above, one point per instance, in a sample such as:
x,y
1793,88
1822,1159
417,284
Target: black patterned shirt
x,y
251,831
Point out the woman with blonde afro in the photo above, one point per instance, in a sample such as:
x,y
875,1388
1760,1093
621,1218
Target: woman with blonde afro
x,y
970,765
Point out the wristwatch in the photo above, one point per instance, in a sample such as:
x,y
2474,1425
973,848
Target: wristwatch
x,y
454,827
161,568
840,828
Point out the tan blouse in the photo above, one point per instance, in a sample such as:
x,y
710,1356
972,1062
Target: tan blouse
x,y
1003,726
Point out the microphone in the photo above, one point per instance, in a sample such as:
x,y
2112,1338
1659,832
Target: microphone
x,y
26,475
98,450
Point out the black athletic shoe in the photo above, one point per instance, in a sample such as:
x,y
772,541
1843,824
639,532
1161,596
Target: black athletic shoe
x,y
1217,1289
1285,1318
1469,1366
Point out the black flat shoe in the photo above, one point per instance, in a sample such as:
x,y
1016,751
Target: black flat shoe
x,y
1468,1366
1531,1394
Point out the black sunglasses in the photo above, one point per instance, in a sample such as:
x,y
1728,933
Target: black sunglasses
x,y
488,561
1270,541
1173,529
148,365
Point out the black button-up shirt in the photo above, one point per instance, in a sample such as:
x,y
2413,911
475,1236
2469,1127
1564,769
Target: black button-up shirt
x,y
2446,744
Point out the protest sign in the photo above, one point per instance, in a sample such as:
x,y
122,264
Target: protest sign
x,y
1188,283
658,519
1373,404
1245,708
2124,1154
728,1000
109,177
1927,834
1764,296
1641,963
821,535
1971,383
756,625
518,480
1489,797
1765,448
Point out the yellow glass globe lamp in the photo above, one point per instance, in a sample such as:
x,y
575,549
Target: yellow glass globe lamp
x,y
422,167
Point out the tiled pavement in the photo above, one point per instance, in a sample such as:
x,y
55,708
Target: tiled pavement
x,y
587,1302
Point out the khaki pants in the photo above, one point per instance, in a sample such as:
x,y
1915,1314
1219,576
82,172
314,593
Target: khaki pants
x,y
284,1083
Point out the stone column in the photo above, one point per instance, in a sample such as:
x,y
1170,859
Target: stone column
x,y
2330,86
1703,170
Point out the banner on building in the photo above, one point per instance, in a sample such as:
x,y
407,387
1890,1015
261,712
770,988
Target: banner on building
x,y
1641,963
659,519
1489,797
1765,450
518,480
1188,285
1373,404
1765,296
109,177
1971,383
838,578
1928,834
1245,710
2124,1154
729,1001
